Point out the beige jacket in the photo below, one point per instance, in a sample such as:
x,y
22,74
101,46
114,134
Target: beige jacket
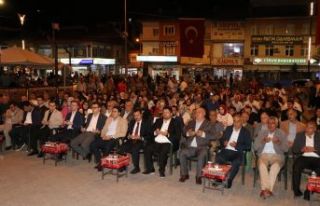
x,y
55,121
122,127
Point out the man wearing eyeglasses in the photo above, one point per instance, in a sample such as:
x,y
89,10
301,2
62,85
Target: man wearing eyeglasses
x,y
93,127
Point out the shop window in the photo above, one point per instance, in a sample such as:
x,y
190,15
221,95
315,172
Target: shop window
x,y
289,50
269,50
233,50
169,30
254,50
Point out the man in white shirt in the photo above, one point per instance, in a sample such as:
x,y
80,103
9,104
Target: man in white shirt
x,y
307,146
72,125
271,144
139,132
195,144
236,139
93,127
167,133
114,128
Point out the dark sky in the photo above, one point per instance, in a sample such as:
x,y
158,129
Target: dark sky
x,y
40,13
88,11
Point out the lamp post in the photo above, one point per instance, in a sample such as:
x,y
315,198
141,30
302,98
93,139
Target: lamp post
x,y
140,48
125,35
311,13
22,18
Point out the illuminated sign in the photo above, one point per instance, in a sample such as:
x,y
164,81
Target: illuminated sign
x,y
279,61
277,40
88,61
157,58
227,61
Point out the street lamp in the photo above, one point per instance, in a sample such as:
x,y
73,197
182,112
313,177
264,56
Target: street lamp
x,y
2,2
125,38
140,45
311,13
22,18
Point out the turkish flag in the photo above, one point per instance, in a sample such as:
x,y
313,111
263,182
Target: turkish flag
x,y
192,37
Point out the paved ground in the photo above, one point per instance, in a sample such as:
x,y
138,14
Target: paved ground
x,y
25,181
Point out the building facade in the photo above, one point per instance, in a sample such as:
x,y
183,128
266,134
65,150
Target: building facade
x,y
271,48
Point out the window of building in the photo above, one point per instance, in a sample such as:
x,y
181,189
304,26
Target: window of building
x,y
254,50
169,50
290,29
269,30
305,29
155,32
169,30
269,50
304,50
155,50
254,30
289,50
233,50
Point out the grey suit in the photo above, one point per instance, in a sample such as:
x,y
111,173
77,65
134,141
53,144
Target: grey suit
x,y
280,149
201,149
268,177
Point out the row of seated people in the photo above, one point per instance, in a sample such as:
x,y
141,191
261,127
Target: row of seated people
x,y
98,135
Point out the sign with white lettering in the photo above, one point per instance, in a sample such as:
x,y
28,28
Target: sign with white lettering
x,y
279,61
277,40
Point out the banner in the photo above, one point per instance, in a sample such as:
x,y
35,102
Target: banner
x,y
192,37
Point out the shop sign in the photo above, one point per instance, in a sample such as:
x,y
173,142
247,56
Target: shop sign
x,y
232,30
277,40
227,61
279,61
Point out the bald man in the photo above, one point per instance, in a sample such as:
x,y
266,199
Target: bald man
x,y
197,135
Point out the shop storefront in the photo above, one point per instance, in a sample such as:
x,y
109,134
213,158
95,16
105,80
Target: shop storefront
x,y
161,65
83,65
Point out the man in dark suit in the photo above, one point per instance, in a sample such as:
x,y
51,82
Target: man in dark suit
x,y
235,139
93,127
73,123
197,135
139,131
307,146
167,133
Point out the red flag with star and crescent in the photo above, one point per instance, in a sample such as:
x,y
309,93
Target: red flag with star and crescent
x,y
192,37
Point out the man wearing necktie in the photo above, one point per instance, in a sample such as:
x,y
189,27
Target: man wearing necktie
x,y
138,132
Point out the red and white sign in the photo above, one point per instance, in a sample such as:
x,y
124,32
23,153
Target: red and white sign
x,y
227,61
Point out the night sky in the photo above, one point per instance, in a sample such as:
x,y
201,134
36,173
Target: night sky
x,y
40,13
